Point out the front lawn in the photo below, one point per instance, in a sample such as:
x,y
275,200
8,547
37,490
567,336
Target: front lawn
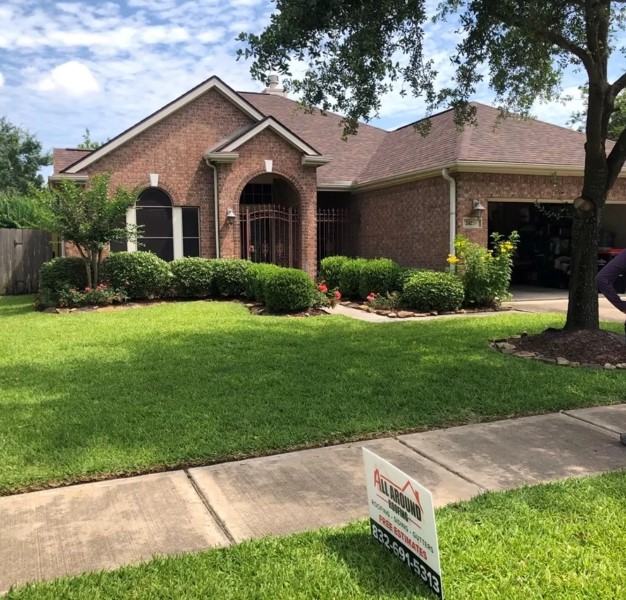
x,y
562,541
87,394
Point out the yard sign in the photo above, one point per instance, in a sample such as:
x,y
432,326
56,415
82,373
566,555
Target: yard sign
x,y
402,518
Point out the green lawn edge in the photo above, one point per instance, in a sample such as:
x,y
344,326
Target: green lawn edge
x,y
95,395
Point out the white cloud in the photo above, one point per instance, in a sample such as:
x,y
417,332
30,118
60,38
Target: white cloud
x,y
211,36
73,78
1,79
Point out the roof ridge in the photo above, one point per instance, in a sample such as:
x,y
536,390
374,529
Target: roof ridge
x,y
326,112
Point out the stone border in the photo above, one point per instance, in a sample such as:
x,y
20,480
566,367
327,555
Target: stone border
x,y
505,346
404,314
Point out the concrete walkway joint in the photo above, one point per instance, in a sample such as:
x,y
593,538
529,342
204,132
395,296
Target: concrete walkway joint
x,y
108,524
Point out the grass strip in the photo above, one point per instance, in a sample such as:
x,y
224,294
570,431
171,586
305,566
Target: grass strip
x,y
562,541
87,395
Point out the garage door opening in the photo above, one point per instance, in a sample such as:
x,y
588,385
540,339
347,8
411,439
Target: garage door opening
x,y
543,256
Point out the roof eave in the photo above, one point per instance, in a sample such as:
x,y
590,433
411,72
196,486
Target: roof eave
x,y
315,161
221,157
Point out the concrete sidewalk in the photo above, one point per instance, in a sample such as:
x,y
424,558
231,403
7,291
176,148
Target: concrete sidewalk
x,y
112,523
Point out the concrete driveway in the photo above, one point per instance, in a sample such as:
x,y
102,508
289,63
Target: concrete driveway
x,y
532,299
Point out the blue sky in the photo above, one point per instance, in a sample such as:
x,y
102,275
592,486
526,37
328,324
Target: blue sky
x,y
69,65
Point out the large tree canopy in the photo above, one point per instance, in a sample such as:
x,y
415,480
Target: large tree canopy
x,y
356,49
20,159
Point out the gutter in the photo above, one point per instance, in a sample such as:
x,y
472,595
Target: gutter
x,y
216,204
446,175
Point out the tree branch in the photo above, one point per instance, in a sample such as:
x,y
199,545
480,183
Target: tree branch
x,y
556,38
619,84
616,158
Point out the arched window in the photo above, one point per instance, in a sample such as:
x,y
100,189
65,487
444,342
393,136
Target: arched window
x,y
154,213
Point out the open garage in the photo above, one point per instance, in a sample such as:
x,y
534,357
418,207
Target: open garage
x,y
545,228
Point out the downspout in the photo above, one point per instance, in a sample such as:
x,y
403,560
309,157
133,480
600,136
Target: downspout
x,y
216,204
446,175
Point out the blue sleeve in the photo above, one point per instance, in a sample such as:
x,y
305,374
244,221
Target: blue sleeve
x,y
606,278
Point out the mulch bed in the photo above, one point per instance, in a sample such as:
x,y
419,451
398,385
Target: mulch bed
x,y
578,348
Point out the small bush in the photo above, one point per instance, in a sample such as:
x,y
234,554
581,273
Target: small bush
x,y
59,274
192,277
379,276
330,270
256,275
229,276
350,277
139,274
486,274
406,273
289,290
101,295
431,290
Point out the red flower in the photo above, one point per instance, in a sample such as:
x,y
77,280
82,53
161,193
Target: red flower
x,y
88,289
338,294
322,288
371,297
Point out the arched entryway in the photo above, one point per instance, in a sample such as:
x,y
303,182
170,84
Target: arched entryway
x,y
154,215
269,209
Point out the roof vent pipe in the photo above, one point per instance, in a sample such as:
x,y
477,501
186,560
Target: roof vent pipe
x,y
446,175
273,86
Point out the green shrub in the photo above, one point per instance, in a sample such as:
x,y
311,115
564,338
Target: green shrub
x,y
380,276
229,276
139,274
330,270
486,274
18,212
60,274
256,275
404,274
432,290
192,277
289,290
350,277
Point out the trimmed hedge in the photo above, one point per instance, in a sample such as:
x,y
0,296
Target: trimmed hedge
x,y
192,277
256,275
229,276
380,276
330,270
59,274
288,290
432,290
140,274
350,277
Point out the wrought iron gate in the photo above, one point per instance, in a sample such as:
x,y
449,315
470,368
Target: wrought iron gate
x,y
270,234
332,232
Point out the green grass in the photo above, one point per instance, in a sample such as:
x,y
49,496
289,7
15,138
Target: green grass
x,y
87,394
562,541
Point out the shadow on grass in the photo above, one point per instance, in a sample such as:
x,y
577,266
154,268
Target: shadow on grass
x,y
376,570
123,399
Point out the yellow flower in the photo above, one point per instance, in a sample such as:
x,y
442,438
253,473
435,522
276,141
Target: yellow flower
x,y
452,259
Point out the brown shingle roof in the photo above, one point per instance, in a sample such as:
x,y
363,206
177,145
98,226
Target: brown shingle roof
x,y
511,140
323,132
64,157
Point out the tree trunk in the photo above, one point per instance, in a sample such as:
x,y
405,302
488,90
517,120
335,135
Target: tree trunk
x,y
582,309
94,268
88,269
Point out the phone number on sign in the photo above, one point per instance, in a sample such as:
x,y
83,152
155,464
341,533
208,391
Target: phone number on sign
x,y
428,576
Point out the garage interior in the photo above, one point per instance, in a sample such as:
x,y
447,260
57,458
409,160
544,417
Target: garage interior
x,y
544,252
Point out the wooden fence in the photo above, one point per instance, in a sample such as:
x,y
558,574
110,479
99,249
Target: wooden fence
x,y
22,252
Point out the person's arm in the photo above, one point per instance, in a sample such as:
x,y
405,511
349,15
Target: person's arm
x,y
606,278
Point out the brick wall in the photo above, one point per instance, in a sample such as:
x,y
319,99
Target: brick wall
x,y
408,223
174,148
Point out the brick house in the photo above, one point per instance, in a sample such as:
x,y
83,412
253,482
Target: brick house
x,y
240,174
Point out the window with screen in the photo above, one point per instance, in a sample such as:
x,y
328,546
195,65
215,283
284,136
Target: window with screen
x,y
191,231
154,216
